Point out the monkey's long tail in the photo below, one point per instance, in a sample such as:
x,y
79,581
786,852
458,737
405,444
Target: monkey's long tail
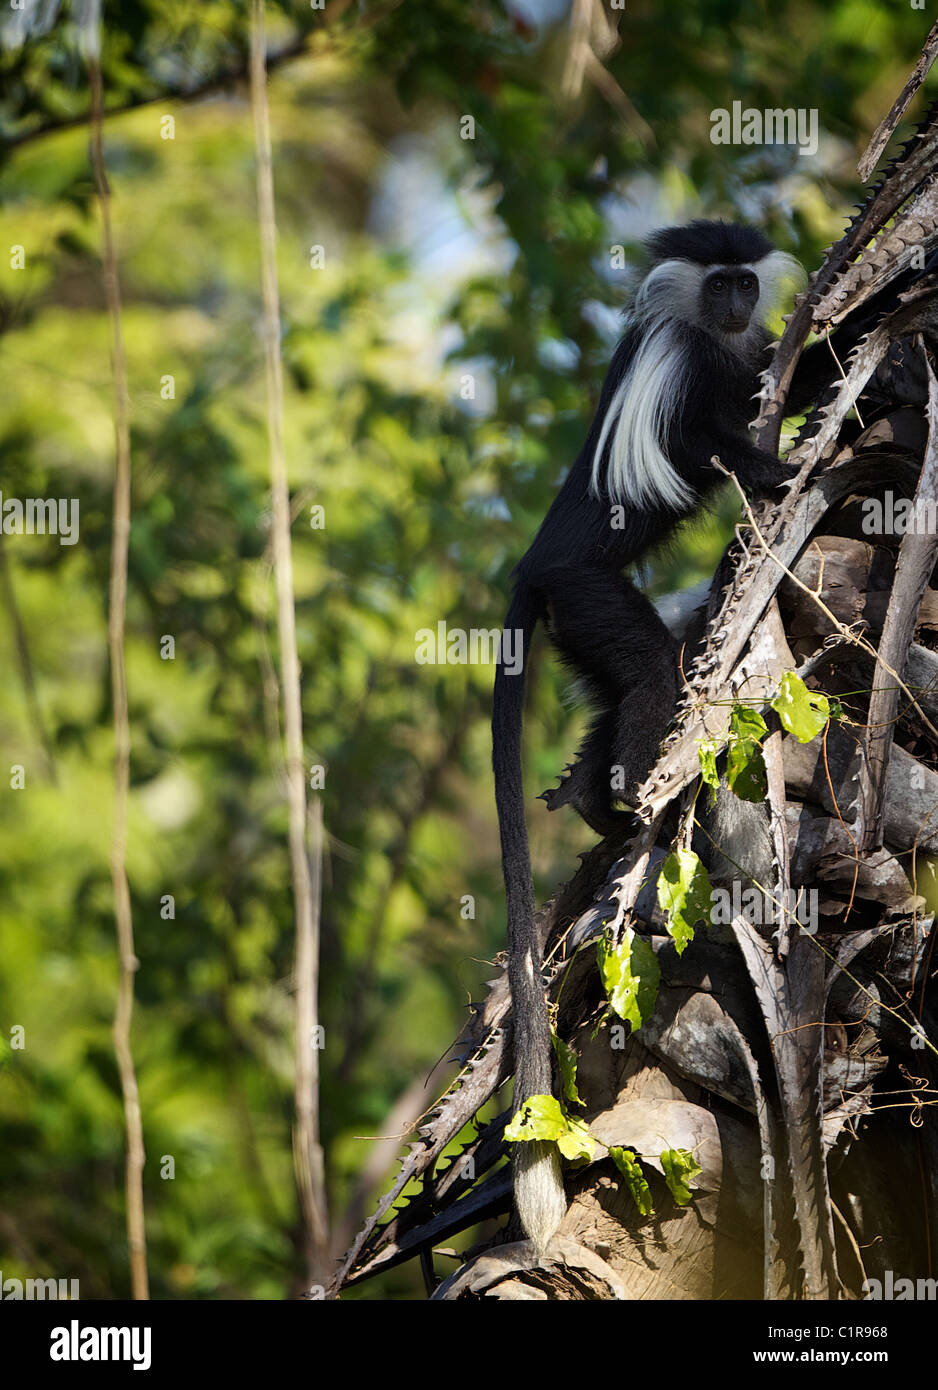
x,y
538,1185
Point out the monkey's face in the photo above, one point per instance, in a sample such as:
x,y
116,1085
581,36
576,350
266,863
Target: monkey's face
x,y
729,295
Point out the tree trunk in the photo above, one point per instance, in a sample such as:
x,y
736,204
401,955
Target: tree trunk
x,y
792,1060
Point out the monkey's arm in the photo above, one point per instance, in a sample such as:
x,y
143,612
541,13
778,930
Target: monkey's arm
x,y
817,370
757,469
821,364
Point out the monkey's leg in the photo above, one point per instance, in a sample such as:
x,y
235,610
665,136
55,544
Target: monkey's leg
x,y
609,633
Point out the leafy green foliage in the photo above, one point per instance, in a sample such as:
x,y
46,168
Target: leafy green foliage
x,y
680,1168
801,711
685,894
542,1117
494,264
567,1061
630,1168
745,765
630,976
707,757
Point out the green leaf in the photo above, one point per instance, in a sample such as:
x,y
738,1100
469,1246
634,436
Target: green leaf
x,y
539,1118
567,1060
747,723
680,1167
630,977
685,894
745,771
630,1169
801,711
745,765
542,1117
576,1141
707,757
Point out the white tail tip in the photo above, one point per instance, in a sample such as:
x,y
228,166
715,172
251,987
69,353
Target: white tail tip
x,y
539,1195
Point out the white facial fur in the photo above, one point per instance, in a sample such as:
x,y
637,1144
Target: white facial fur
x,y
649,395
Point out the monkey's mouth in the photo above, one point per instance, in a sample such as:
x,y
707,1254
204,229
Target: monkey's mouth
x,y
735,325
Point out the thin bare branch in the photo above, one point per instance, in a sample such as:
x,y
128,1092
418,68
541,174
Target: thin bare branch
x,y
594,37
308,1160
128,962
883,132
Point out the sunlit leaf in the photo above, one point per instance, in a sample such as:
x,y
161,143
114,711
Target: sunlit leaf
x,y
684,894
631,1170
802,712
630,977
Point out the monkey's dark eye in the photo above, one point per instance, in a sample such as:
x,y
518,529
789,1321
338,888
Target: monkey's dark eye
x,y
717,286
747,283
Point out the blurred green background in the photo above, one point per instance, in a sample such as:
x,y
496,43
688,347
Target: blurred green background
x,y
441,364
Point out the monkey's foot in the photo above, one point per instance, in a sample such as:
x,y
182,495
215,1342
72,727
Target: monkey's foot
x,y
588,801
567,792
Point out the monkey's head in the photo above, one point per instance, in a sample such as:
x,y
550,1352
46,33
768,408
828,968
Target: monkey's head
x,y
718,276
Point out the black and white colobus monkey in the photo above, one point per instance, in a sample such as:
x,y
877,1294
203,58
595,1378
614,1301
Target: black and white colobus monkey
x,y
679,389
